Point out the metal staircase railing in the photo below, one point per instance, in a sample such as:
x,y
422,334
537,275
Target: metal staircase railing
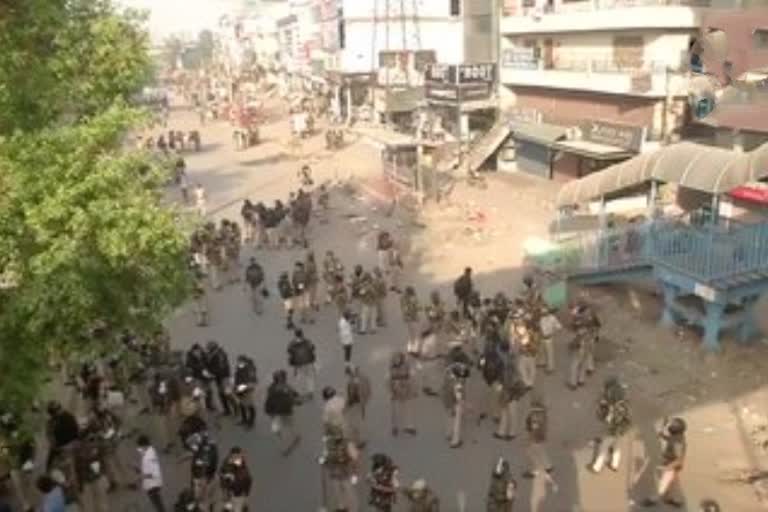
x,y
603,250
707,253
712,252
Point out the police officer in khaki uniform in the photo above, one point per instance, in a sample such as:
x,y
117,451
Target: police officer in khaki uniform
x,y
435,313
421,498
358,396
454,393
511,390
401,391
380,294
332,268
537,426
313,280
586,325
409,306
300,281
355,284
613,413
502,490
367,296
524,337
214,257
201,298
339,462
673,452
340,295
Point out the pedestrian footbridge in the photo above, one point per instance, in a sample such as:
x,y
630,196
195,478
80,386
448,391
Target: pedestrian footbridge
x,y
711,274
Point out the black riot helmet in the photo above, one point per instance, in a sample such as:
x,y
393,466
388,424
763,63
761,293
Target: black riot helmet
x,y
676,426
709,505
613,390
328,393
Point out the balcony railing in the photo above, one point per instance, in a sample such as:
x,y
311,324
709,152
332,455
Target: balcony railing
x,y
514,60
594,5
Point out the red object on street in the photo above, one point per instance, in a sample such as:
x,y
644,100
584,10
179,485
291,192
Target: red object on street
x,y
757,195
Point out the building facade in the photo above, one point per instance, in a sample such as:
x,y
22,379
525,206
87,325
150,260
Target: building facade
x,y
626,63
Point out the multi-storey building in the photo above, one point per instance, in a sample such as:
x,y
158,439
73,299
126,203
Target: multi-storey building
x,y
622,62
383,47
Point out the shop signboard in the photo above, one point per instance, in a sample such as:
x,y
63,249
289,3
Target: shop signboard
x,y
613,134
753,193
484,73
461,74
474,92
519,58
442,93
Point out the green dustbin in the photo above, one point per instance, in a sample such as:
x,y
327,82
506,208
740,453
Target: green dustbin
x,y
555,294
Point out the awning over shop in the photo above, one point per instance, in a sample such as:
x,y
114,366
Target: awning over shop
x,y
405,100
704,168
594,150
542,133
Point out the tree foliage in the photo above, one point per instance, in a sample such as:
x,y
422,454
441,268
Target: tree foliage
x,y
84,235
67,58
86,239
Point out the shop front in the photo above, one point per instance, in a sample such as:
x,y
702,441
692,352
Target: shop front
x,y
351,93
600,145
398,106
462,96
534,147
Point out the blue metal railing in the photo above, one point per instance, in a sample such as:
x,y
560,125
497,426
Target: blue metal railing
x,y
706,252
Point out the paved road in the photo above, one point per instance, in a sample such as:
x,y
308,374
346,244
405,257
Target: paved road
x,y
292,484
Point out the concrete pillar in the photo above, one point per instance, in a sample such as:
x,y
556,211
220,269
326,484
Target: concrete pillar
x,y
602,217
464,126
349,103
748,329
654,193
712,322
670,295
738,141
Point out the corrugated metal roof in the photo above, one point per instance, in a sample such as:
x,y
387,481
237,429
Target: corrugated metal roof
x,y
543,133
695,166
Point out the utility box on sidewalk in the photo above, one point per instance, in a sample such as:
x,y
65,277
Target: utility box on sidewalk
x,y
545,259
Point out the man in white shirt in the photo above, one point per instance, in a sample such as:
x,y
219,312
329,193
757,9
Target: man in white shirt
x,y
549,326
346,337
151,476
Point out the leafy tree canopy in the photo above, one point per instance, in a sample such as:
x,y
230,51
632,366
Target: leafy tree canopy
x,y
66,59
84,235
84,238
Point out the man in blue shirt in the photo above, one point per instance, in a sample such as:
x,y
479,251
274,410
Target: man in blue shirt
x,y
52,499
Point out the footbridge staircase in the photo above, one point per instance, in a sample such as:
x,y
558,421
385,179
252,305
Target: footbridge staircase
x,y
712,274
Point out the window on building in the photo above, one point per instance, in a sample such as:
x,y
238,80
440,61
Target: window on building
x,y
342,34
422,58
455,7
529,3
760,39
628,52
388,59
481,24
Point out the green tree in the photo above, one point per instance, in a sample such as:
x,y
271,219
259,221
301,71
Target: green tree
x,y
84,235
67,59
84,238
